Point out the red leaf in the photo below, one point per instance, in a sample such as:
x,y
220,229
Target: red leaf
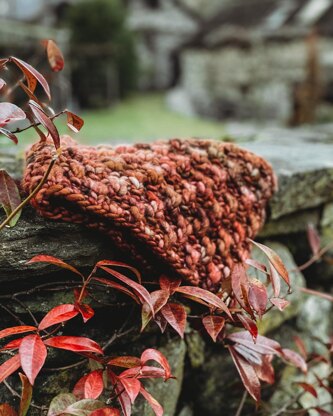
x,y
90,386
122,396
157,408
33,355
9,195
140,291
275,280
75,344
125,362
202,294
55,56
295,359
213,325
16,330
263,345
46,122
257,296
240,287
310,389
106,411
249,325
42,258
159,298
259,266
132,387
275,260
85,310
6,410
145,371
169,284
175,315
116,286
58,314
247,373
265,370
26,395
119,264
9,134
74,122
313,239
152,354
32,76
281,304
9,367
12,345
10,112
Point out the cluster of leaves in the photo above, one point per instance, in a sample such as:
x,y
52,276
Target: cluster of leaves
x,y
241,302
37,113
246,302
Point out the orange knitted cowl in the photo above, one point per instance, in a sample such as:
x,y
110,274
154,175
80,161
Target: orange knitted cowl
x,y
188,205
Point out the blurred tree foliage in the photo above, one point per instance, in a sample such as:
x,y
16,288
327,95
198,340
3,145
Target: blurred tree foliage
x,y
103,52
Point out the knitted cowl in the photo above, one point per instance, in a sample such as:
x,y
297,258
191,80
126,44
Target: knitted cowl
x,y
187,205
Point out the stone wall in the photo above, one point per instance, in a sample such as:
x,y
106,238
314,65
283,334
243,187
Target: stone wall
x,y
256,83
207,381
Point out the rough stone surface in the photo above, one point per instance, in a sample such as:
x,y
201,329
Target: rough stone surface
x,y
291,224
34,235
305,172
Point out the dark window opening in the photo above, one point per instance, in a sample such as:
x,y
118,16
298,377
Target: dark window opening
x,y
153,4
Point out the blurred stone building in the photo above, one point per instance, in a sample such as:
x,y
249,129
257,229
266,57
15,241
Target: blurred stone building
x,y
261,59
23,24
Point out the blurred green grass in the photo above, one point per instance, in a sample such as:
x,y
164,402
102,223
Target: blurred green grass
x,y
136,119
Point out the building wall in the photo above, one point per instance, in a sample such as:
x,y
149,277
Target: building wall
x,y
257,83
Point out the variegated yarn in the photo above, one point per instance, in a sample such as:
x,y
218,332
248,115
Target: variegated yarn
x,y
190,205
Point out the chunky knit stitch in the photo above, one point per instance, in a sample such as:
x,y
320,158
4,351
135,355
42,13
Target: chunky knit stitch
x,y
190,205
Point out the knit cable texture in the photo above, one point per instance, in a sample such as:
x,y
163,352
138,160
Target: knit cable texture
x,y
189,205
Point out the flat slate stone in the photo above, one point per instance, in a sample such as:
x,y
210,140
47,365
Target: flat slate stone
x,y
304,167
34,235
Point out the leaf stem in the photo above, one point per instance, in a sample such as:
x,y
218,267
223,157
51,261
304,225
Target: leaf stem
x,y
29,197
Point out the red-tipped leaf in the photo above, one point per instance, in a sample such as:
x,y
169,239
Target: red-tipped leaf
x,y
10,112
169,284
14,330
9,367
45,121
74,122
152,354
54,56
58,314
90,386
175,315
154,404
275,260
247,373
213,325
26,395
32,76
42,258
33,355
75,344
202,294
